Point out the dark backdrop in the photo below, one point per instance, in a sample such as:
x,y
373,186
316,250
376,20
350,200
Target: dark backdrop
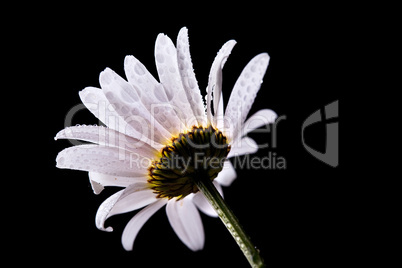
x,y
295,216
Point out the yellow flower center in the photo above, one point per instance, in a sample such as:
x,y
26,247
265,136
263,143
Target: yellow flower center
x,y
199,152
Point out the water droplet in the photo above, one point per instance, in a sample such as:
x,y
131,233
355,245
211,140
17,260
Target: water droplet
x,y
160,58
169,50
220,213
192,83
90,98
60,161
109,95
158,93
169,93
139,69
124,109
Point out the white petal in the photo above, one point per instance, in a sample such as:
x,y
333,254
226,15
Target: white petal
x,y
220,115
227,175
99,180
202,203
152,95
243,146
218,187
132,198
244,92
169,76
139,77
136,223
190,83
128,105
186,222
107,137
96,102
104,209
259,119
96,186
215,78
106,160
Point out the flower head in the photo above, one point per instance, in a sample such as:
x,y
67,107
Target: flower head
x,y
199,152
160,137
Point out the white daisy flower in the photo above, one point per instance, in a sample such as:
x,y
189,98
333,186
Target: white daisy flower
x,y
160,137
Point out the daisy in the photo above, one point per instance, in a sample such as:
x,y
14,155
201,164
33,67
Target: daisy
x,y
162,144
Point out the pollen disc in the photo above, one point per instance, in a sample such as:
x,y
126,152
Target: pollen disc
x,y
199,152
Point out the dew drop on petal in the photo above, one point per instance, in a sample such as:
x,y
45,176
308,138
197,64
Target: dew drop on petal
x,y
139,69
124,109
169,93
191,83
60,161
158,93
160,58
90,98
109,96
168,50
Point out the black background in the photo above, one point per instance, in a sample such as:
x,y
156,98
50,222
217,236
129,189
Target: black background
x,y
295,216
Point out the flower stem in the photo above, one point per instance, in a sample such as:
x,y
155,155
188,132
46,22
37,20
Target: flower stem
x,y
206,186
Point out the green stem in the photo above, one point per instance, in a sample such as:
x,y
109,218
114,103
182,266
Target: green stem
x,y
206,186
